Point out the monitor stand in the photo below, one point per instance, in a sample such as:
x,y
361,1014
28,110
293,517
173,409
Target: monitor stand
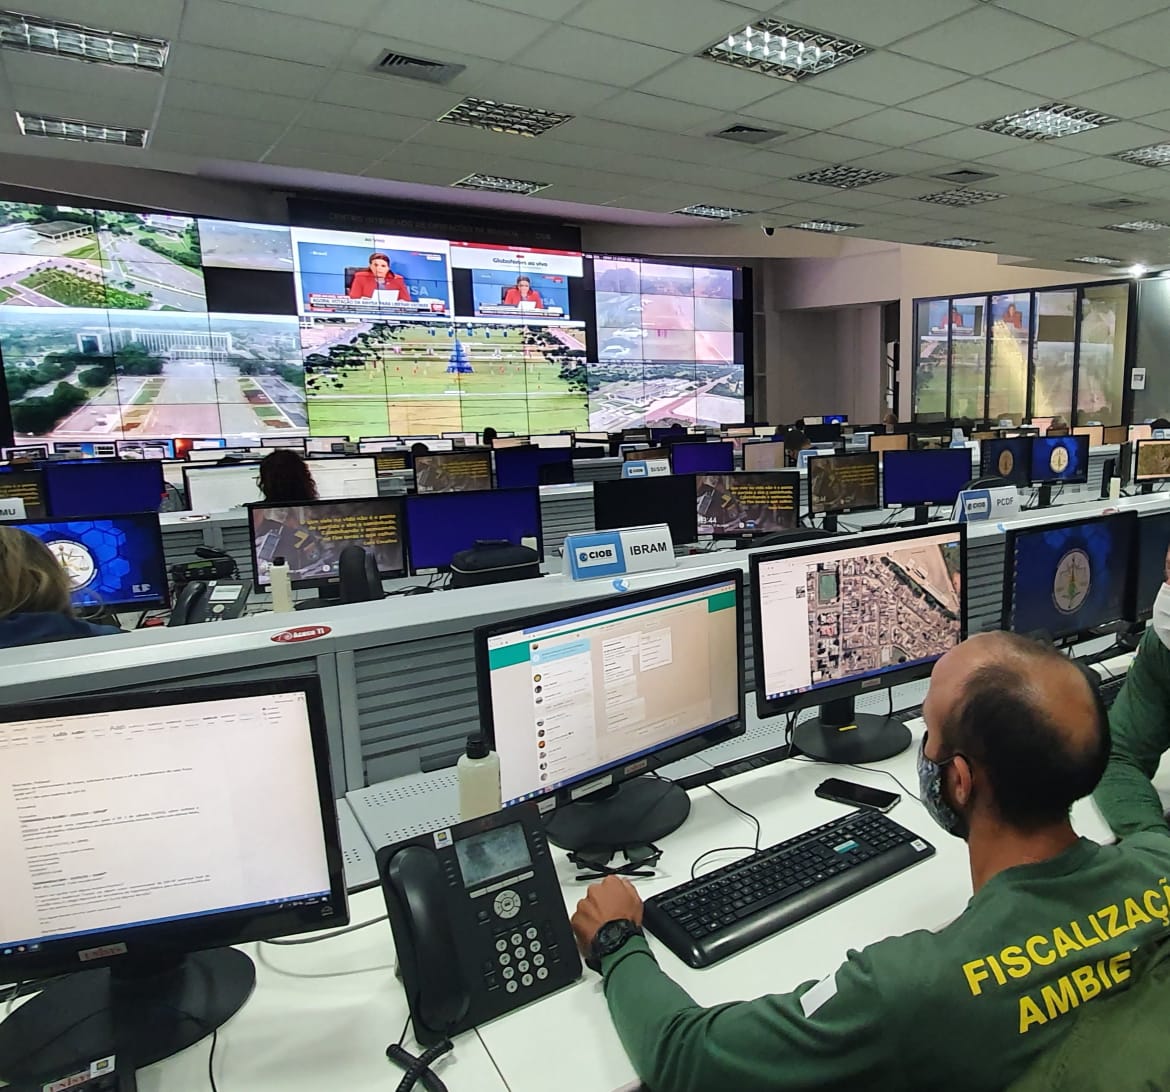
x,y
1044,496
636,812
921,514
142,1012
329,595
830,522
840,734
1147,488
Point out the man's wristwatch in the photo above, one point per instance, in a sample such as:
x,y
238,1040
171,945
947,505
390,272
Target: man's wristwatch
x,y
608,939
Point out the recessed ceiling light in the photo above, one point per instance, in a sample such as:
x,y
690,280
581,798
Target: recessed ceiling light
x,y
1152,155
504,117
843,178
1134,226
39,125
498,184
32,34
829,227
1096,259
958,242
959,199
1048,122
713,212
783,50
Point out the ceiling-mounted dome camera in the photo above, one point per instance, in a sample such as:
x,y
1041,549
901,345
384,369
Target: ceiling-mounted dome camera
x,y
768,229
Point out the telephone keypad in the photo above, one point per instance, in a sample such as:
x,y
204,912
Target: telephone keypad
x,y
523,957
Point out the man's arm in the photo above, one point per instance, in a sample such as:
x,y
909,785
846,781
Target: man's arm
x,y
1140,725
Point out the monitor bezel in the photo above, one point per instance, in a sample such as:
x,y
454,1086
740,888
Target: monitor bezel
x,y
1139,479
410,500
562,455
791,477
216,929
468,453
848,688
624,769
1080,479
612,485
927,453
326,581
873,456
158,602
1068,637
723,445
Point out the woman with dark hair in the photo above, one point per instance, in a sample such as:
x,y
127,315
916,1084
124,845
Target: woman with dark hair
x,y
285,478
378,277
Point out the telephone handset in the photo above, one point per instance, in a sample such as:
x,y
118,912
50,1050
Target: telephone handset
x,y
478,919
210,601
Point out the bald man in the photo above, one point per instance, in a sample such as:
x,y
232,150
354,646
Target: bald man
x,y
1015,734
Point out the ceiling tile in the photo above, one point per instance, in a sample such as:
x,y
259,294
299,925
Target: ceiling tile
x,y
907,161
634,108
1071,72
1134,98
1145,38
387,94
967,144
1117,137
1083,19
1030,156
208,146
981,40
158,18
82,107
543,89
228,102
459,160
687,26
198,122
62,74
810,108
870,23
394,170
711,84
546,9
346,144
249,30
971,102
1092,170
249,73
353,13
887,78
585,55
325,162
347,119
776,165
459,24
895,128
831,148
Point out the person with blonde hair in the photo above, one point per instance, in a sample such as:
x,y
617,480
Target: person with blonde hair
x,y
35,605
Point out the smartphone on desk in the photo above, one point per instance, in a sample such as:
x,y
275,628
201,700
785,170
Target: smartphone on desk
x,y
858,796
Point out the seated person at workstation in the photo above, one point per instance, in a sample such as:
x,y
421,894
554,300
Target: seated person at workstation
x,y
35,605
489,436
795,442
378,277
285,478
1059,427
889,421
1015,734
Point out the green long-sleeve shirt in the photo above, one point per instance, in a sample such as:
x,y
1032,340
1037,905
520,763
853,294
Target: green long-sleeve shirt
x,y
969,1007
1140,725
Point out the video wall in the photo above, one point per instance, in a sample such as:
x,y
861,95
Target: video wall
x,y
120,325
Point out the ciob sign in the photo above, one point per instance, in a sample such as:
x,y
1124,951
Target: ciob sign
x,y
614,553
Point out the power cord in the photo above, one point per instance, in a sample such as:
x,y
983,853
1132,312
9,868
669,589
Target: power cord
x,y
418,1068
316,938
755,848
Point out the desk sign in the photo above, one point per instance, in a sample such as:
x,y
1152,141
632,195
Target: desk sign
x,y
612,553
11,508
645,468
980,505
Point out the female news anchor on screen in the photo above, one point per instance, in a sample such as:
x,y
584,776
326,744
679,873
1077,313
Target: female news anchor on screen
x,y
523,292
378,278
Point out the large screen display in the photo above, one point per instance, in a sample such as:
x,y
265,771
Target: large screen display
x,y
139,326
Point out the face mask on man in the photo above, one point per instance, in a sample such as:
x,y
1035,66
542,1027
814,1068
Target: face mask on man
x,y
1161,619
930,788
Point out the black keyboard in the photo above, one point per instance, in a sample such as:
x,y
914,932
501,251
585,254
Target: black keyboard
x,y
1110,688
717,915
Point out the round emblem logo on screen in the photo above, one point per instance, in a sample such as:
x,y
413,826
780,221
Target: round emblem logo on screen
x,y
1007,463
1058,460
75,559
1073,579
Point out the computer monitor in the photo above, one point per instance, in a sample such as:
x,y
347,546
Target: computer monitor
x,y
1069,580
552,439
1114,434
186,444
113,562
1041,424
27,486
637,502
591,437
501,442
1095,433
87,449
748,504
727,430
881,441
580,701
111,488
525,467
920,479
297,442
145,449
716,458
388,463
199,819
1153,541
453,471
433,442
370,445
1060,459
1152,462
323,445
1140,432
220,488
764,455
311,537
1008,458
439,525
26,451
822,433
345,478
836,418
843,483
467,438
837,618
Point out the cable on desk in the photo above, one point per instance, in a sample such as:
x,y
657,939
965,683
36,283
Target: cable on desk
x,y
317,937
729,849
718,849
211,1060
747,814
865,769
12,996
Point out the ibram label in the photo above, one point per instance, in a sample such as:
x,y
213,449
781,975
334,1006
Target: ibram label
x,y
301,633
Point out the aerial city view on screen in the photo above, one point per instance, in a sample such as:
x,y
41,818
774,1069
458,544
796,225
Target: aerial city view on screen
x,y
873,612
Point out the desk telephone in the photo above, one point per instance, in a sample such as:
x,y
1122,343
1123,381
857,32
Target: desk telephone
x,y
210,601
478,919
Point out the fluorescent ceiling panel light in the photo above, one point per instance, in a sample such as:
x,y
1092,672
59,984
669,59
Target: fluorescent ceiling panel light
x,y
1134,226
1096,259
1152,155
783,50
39,125
958,199
842,177
497,184
503,117
1137,270
828,227
713,212
1048,122
959,242
33,34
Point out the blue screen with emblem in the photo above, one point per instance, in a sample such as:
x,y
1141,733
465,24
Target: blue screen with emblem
x,y
1063,459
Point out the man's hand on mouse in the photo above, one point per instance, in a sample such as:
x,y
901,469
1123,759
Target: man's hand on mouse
x,y
612,899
